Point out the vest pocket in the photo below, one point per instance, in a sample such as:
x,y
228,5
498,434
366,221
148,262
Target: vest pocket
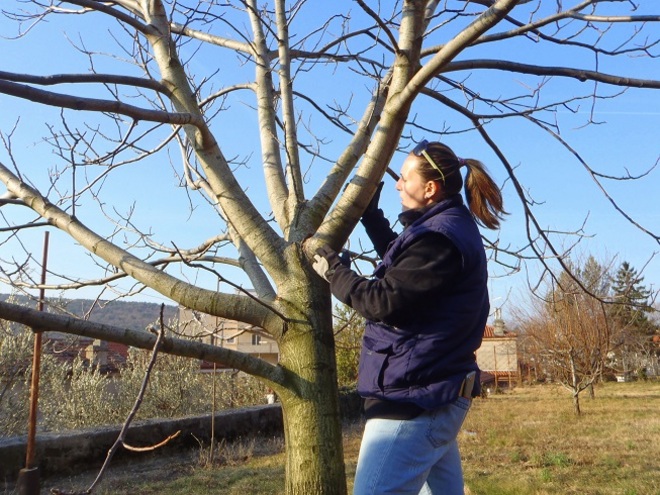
x,y
373,360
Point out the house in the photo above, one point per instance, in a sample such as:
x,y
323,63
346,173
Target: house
x,y
109,357
230,334
498,356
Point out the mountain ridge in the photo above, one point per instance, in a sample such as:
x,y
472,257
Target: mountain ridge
x,y
134,315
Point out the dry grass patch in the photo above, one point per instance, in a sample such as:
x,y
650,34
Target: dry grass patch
x,y
523,442
528,441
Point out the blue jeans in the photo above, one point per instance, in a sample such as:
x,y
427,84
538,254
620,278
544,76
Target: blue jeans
x,y
413,457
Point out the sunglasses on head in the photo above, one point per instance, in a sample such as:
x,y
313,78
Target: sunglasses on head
x,y
420,150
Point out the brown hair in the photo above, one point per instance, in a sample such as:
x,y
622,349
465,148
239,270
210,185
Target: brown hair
x,y
483,196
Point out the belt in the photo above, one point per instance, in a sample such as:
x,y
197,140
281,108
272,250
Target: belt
x,y
467,385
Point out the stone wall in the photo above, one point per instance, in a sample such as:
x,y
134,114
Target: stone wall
x,y
68,452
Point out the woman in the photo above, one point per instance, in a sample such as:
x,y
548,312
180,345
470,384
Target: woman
x,y
426,308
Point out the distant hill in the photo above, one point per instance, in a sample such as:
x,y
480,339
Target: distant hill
x,y
123,314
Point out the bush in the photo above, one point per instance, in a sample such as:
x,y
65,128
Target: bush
x,y
15,366
175,388
78,397
348,329
75,395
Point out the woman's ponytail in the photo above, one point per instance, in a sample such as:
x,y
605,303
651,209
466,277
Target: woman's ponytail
x,y
483,196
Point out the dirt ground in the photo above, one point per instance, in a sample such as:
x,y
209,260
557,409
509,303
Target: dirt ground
x,y
122,472
158,465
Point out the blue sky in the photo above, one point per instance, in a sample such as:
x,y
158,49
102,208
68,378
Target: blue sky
x,y
624,141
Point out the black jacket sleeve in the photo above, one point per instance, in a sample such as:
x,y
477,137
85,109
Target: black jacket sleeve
x,y
378,229
424,271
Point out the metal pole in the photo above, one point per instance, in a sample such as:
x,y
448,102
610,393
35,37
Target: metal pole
x,y
28,480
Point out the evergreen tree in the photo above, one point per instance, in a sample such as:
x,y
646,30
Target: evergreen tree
x,y
632,298
580,283
634,351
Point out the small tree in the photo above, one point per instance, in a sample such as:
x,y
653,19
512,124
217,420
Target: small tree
x,y
15,366
568,333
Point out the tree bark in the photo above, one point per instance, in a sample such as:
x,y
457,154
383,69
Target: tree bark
x,y
575,385
312,423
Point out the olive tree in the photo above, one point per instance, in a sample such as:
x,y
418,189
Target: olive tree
x,y
318,96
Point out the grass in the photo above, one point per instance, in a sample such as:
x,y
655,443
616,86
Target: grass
x,y
523,442
528,441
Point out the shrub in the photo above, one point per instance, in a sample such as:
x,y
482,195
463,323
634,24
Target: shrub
x,y
15,366
75,395
78,397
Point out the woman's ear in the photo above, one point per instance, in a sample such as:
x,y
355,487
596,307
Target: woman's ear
x,y
431,189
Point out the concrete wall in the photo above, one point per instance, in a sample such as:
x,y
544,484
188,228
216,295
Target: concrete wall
x,y
72,451
498,355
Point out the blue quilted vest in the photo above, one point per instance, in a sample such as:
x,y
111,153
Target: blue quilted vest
x,y
425,361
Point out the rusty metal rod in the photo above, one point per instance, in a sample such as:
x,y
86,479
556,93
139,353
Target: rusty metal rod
x,y
36,367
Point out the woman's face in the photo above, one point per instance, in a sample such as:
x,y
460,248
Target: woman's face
x,y
415,192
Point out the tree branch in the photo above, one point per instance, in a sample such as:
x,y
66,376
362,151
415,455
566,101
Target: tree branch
x,y
381,24
293,172
579,74
456,45
94,104
106,8
207,301
356,196
136,406
266,104
42,321
86,79
212,39
231,198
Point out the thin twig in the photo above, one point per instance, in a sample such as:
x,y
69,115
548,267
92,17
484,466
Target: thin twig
x,y
228,282
151,447
131,415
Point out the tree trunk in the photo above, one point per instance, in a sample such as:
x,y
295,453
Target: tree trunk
x,y
312,423
576,403
575,384
314,453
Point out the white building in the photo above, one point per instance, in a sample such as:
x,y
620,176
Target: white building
x,y
498,355
230,334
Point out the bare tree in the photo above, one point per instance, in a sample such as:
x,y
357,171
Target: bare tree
x,y
171,80
568,334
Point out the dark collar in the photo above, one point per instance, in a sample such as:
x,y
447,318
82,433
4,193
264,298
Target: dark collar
x,y
407,217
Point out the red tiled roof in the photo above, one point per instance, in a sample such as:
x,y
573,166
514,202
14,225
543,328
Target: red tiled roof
x,y
489,333
67,351
118,349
